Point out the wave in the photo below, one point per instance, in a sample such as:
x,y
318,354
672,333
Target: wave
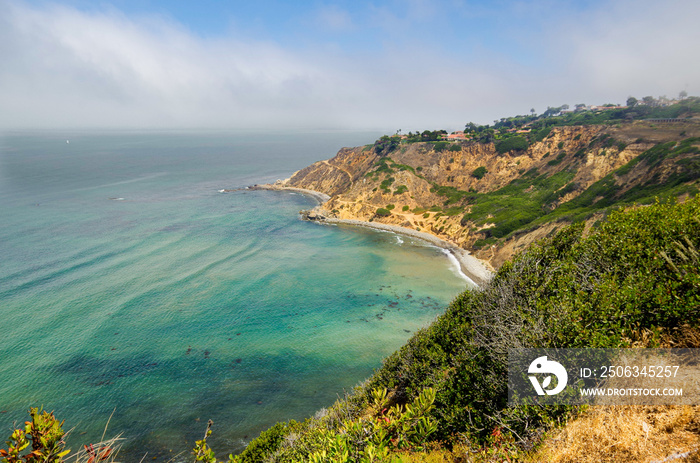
x,y
122,182
455,266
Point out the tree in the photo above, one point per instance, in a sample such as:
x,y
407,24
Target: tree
x,y
532,111
683,95
471,127
632,102
649,100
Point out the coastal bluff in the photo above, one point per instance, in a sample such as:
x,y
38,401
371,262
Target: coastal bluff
x,y
436,188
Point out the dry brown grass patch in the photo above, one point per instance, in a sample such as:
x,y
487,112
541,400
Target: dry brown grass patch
x,y
625,434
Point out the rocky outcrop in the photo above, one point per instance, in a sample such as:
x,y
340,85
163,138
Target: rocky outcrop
x,y
335,175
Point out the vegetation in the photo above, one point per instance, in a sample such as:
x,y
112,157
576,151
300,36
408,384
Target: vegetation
x,y
46,436
637,276
400,189
536,198
479,172
386,144
425,136
539,126
511,144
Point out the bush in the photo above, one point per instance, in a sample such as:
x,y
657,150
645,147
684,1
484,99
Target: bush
x,y
479,172
400,189
382,212
440,146
511,144
265,444
46,436
386,183
386,144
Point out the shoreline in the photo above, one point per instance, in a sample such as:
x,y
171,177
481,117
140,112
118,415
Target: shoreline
x,y
471,267
474,269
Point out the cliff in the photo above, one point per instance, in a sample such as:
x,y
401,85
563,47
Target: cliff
x,y
494,203
605,275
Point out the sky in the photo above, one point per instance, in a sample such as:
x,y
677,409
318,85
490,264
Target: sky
x,y
378,65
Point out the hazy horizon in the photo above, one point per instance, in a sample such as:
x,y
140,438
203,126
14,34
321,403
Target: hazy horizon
x,y
341,65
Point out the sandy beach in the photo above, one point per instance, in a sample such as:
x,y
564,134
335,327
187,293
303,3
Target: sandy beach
x,y
471,267
474,269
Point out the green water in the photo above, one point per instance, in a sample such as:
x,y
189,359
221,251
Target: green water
x,y
128,283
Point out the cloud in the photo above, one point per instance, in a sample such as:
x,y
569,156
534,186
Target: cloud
x,y
638,47
334,18
67,67
63,65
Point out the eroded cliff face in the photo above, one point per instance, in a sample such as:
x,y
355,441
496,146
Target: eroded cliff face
x,y
337,175
402,188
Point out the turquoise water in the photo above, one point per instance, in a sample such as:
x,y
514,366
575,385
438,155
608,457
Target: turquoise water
x,y
129,284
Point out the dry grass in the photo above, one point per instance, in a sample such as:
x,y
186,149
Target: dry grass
x,y
625,434
632,433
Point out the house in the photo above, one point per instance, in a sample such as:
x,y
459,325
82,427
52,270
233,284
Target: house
x,y
456,136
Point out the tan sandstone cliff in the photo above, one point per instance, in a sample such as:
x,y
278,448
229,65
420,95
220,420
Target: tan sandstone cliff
x,y
361,183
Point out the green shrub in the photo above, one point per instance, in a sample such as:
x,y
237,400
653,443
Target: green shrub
x,y
266,444
479,172
386,183
540,135
556,161
511,144
386,144
400,189
381,212
388,429
440,146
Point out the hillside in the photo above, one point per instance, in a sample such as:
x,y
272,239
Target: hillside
x,y
579,265
632,282
495,197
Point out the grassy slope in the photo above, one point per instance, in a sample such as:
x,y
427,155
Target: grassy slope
x,y
602,290
669,169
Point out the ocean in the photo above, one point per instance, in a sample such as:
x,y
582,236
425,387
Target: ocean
x,y
131,287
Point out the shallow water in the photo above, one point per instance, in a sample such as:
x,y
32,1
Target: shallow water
x,y
129,284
